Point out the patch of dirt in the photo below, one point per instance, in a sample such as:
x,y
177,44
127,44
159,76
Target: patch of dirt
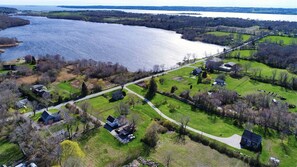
x,y
65,75
178,78
76,83
28,80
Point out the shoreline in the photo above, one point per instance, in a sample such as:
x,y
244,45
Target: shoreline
x,y
9,45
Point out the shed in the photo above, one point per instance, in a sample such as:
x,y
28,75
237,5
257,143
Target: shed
x,y
251,141
22,103
219,82
197,71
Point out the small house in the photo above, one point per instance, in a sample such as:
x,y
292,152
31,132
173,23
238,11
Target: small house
x,y
39,90
251,141
116,122
112,122
48,118
219,82
9,67
22,103
118,95
196,71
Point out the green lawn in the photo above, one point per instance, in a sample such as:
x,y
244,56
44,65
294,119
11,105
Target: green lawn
x,y
243,53
245,86
266,70
9,153
64,89
198,119
280,39
245,37
181,154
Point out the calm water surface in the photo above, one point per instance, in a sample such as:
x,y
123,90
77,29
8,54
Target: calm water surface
x,y
133,46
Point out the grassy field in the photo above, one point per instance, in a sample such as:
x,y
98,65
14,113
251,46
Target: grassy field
x,y
219,33
266,70
198,119
180,154
9,152
280,39
245,86
243,53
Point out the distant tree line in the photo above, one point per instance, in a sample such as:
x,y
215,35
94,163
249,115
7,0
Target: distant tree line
x,y
6,10
5,41
7,21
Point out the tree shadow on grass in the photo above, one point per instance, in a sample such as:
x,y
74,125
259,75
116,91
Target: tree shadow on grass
x,y
88,135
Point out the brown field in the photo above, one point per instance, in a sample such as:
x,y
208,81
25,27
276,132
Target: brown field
x,y
65,75
28,80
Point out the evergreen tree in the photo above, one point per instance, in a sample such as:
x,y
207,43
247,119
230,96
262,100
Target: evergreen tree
x,y
84,89
152,90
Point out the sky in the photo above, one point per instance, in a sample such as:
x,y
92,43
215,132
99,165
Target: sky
x,y
219,3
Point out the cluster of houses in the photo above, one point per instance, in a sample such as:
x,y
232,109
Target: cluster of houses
x,y
120,128
215,64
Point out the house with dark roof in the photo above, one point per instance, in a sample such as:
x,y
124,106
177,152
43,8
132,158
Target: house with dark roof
x,y
9,67
219,82
118,95
196,71
251,141
22,103
48,118
39,90
116,122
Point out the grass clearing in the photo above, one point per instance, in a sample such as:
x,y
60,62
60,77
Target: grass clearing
x,y
198,119
9,152
245,37
266,70
181,154
280,39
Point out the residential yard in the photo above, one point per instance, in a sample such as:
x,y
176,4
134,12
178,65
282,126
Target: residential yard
x,y
266,70
9,152
102,149
190,154
280,39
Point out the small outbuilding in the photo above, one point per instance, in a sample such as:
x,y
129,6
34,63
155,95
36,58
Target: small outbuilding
x,y
48,118
219,82
197,71
22,103
251,141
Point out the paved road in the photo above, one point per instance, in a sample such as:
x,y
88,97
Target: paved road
x,y
233,141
